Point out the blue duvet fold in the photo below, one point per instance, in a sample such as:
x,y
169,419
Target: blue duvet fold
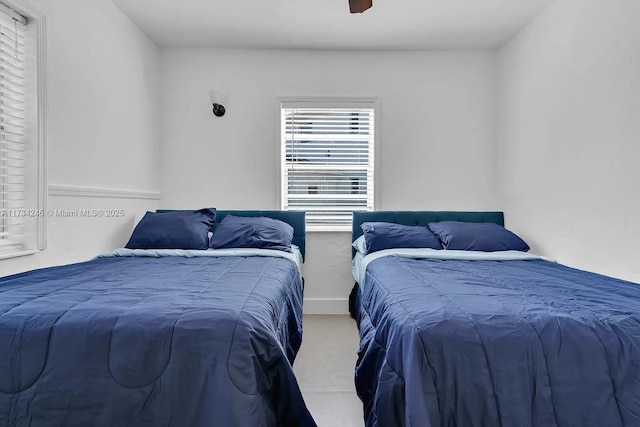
x,y
152,342
497,343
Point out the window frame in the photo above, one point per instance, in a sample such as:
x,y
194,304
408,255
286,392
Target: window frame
x,y
330,102
36,19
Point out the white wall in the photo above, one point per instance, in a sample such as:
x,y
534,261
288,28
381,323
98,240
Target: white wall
x,y
103,126
436,141
569,151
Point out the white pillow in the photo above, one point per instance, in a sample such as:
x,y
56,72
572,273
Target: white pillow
x,y
360,245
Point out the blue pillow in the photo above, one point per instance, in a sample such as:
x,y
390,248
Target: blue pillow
x,y
252,232
387,235
482,236
173,230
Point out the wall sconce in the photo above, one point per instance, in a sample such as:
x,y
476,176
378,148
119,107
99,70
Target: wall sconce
x,y
218,97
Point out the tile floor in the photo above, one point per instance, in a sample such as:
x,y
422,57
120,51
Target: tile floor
x,y
324,368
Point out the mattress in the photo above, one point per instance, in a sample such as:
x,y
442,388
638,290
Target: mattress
x,y
455,342
151,341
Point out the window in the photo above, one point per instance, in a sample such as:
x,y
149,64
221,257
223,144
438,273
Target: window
x,y
21,132
327,159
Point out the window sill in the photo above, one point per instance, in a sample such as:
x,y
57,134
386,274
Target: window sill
x,y
17,254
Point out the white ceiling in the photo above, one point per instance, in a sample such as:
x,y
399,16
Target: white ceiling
x,y
327,24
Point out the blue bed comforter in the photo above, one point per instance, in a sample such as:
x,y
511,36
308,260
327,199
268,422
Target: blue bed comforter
x,y
488,343
166,341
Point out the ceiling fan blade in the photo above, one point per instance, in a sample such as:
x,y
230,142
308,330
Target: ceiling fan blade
x,y
359,6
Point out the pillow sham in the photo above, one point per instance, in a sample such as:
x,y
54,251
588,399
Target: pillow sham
x,y
173,230
482,236
252,232
387,235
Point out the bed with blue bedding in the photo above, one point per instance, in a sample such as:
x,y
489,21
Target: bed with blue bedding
x,y
155,338
450,338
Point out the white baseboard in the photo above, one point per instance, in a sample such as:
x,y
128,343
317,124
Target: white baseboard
x,y
76,191
326,306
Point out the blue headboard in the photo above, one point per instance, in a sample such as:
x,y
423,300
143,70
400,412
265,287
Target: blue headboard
x,y
420,218
294,218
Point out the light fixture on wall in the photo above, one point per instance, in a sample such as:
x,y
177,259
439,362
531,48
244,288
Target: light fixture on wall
x,y
218,97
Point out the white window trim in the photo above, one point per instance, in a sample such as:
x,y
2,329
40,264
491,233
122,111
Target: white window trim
x,y
338,100
37,18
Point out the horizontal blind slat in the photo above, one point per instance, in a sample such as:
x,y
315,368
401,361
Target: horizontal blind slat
x,y
10,114
9,131
11,97
11,73
9,39
10,238
12,80
16,106
12,87
11,145
16,65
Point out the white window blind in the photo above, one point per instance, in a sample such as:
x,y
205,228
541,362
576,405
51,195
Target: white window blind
x,y
13,135
328,160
